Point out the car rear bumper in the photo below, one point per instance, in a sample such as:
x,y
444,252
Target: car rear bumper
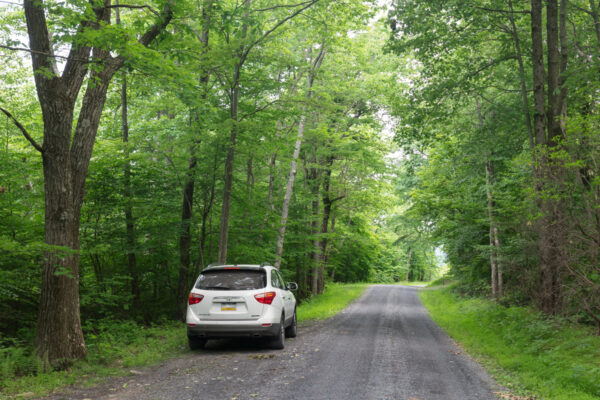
x,y
221,330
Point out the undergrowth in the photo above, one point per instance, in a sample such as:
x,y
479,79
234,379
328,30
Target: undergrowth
x,y
335,299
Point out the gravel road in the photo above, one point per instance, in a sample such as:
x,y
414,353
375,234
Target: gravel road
x,y
383,346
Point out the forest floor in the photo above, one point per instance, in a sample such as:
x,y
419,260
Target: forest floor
x,y
383,346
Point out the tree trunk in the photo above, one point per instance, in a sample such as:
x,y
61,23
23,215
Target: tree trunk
x,y
185,239
130,238
495,267
206,215
229,161
129,220
294,164
66,157
551,224
327,203
524,95
288,193
408,270
187,207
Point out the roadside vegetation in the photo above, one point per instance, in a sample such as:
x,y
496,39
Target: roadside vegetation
x,y
526,351
118,348
334,300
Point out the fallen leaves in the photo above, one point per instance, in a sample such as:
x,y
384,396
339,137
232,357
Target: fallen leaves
x,y
510,396
261,356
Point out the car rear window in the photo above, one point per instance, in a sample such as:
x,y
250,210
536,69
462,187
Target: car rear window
x,y
238,279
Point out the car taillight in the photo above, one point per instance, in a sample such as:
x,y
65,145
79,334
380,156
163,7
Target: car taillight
x,y
195,298
265,298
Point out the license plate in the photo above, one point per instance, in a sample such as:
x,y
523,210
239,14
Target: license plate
x,y
228,307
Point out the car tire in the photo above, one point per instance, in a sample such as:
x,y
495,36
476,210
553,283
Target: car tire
x,y
291,330
196,343
278,342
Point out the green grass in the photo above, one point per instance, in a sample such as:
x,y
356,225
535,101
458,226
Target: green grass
x,y
117,347
525,351
334,300
411,283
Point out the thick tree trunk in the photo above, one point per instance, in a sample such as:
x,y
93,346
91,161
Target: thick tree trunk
x,y
66,157
551,225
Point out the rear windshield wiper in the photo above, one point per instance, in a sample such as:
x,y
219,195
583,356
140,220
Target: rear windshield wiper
x,y
215,288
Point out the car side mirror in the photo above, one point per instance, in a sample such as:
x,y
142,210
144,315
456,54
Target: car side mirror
x,y
292,286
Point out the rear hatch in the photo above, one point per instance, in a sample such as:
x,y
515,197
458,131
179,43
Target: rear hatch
x,y
229,294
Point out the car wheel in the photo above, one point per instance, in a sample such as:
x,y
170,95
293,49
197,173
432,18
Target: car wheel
x,y
290,331
196,343
278,342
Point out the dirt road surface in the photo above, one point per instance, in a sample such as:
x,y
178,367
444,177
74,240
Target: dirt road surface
x,y
383,346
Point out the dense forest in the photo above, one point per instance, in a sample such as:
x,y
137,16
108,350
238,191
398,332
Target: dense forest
x,y
141,142
339,140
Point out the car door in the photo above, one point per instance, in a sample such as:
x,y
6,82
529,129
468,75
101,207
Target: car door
x,y
288,297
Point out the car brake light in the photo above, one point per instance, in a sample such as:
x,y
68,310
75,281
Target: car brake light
x,y
231,268
195,298
265,298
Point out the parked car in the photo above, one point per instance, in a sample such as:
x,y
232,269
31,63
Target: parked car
x,y
241,300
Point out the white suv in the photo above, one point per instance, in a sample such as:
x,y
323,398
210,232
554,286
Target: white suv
x,y
241,300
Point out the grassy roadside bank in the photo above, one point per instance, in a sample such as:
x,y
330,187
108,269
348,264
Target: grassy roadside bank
x,y
118,348
531,355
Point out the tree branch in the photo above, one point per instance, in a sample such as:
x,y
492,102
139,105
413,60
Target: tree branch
x,y
33,51
504,11
277,25
39,41
133,7
23,130
259,109
165,18
281,6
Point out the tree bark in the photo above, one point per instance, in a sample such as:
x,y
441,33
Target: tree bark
x,y
59,338
551,224
294,163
